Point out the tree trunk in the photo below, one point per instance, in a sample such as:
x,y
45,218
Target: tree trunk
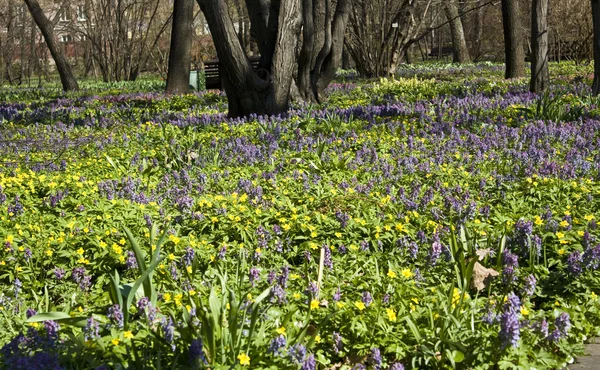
x,y
275,25
514,54
180,55
67,78
539,47
478,33
317,64
345,59
266,91
460,52
596,22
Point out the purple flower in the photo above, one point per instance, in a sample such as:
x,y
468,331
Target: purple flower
x,y
312,290
197,352
115,315
338,346
511,263
375,358
509,322
188,257
397,366
52,328
253,275
17,287
169,331
131,262
435,252
337,295
30,312
574,263
542,328
591,257
562,325
141,304
17,208
367,298
490,316
309,363
277,345
222,252
342,218
327,261
27,254
59,273
297,353
91,329
529,286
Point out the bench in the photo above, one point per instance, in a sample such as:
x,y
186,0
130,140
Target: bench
x,y
212,75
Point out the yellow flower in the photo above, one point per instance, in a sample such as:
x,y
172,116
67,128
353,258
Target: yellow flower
x,y
244,359
593,295
49,252
167,297
281,330
9,239
314,304
361,306
340,304
407,273
560,235
391,314
128,334
391,274
524,311
115,342
318,339
564,223
80,251
561,251
297,296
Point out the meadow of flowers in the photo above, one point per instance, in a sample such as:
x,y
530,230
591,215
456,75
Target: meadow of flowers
x,y
445,218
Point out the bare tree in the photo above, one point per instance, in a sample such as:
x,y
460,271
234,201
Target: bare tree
x,y
123,33
276,25
460,52
596,22
381,31
514,54
47,28
180,54
539,46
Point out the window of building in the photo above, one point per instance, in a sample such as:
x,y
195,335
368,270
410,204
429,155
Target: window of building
x,y
66,38
64,15
81,13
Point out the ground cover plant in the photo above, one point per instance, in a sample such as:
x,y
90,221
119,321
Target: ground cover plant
x,y
443,218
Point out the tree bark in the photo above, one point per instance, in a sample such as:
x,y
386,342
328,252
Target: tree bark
x,y
514,54
318,61
460,52
478,33
276,25
180,55
266,91
596,22
67,78
539,47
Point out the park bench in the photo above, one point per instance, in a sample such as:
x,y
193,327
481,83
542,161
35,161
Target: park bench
x,y
212,69
437,52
